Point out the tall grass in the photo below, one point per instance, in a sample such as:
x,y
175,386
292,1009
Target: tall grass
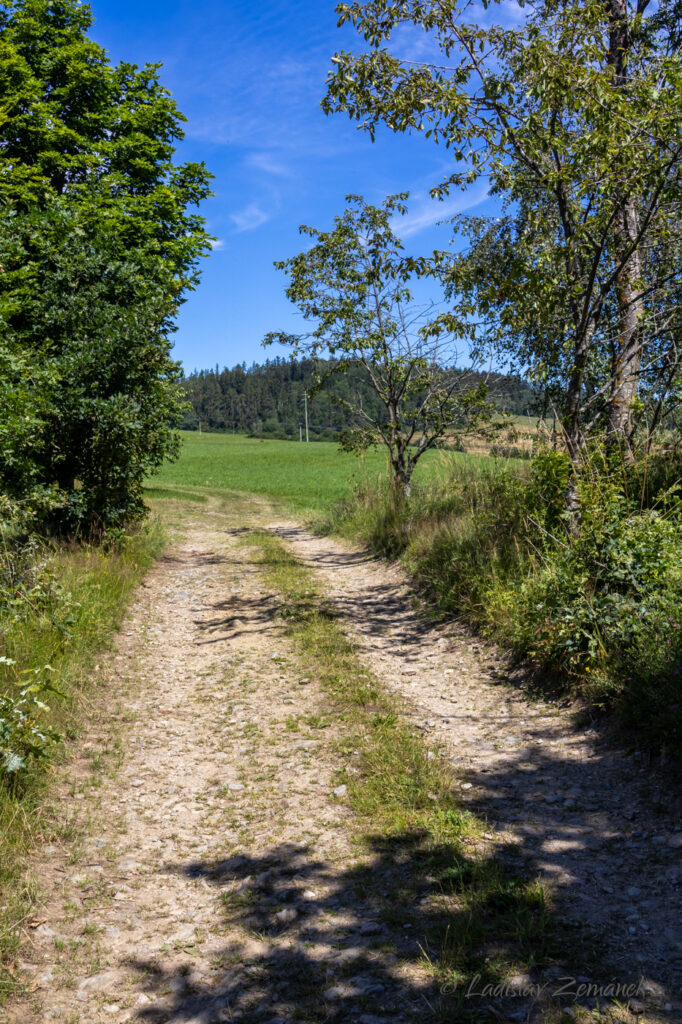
x,y
64,621
457,534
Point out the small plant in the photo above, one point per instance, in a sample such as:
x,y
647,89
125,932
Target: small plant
x,y
22,735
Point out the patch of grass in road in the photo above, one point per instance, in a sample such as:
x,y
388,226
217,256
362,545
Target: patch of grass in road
x,y
306,477
69,633
473,917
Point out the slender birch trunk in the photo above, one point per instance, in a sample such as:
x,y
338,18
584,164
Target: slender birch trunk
x,y
627,356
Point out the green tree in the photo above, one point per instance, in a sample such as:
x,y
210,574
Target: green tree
x,y
100,240
572,114
352,284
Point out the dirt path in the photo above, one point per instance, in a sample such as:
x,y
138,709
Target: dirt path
x,y
597,824
208,877
209,874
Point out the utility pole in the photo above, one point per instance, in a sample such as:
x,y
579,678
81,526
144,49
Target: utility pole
x,y
300,431
305,399
200,424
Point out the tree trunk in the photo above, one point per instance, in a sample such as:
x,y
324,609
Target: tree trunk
x,y
627,357
400,462
401,477
572,423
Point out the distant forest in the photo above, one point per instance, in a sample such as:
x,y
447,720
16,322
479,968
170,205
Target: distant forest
x,y
267,399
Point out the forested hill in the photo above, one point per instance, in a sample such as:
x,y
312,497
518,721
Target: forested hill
x,y
267,399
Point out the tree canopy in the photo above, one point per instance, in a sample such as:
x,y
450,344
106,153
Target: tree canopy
x,y
99,241
570,112
267,399
351,284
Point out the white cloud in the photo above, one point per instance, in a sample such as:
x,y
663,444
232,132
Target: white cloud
x,y
250,218
266,162
424,212
217,244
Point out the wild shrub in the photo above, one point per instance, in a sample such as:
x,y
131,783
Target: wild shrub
x,y
602,605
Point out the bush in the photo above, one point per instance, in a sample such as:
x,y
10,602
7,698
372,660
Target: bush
x,y
602,607
599,604
26,581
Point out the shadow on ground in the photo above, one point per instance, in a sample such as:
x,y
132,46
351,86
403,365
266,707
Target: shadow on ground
x,y
307,942
314,944
601,825
237,616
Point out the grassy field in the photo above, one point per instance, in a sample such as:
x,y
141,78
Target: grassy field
x,y
308,477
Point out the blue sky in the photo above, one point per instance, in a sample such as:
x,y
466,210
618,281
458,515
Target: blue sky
x,y
249,77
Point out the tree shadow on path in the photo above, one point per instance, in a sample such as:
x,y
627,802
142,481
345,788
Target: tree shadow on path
x,y
309,941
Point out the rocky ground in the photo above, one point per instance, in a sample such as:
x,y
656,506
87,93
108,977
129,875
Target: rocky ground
x,y
205,868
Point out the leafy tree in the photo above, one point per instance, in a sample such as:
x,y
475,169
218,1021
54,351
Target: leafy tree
x,y
352,283
572,114
23,391
99,244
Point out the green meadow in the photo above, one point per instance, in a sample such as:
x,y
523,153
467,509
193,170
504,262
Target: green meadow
x,y
307,477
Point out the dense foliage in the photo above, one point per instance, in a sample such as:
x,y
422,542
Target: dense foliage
x,y
98,243
267,399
